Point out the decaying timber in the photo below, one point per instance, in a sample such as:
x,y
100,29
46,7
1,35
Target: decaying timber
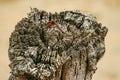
x,y
59,46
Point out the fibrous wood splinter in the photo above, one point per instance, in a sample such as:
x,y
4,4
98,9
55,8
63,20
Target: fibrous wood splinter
x,y
38,52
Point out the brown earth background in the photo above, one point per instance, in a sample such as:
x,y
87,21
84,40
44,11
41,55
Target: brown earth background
x,y
106,11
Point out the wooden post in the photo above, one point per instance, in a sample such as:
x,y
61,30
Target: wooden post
x,y
59,46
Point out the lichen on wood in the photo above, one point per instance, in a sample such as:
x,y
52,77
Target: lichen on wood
x,y
56,46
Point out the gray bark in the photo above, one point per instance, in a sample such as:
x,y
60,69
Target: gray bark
x,y
59,46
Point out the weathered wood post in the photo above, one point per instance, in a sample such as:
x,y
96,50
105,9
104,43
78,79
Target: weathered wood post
x,y
59,46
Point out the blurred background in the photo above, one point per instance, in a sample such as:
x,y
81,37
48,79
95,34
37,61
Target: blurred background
x,y
106,11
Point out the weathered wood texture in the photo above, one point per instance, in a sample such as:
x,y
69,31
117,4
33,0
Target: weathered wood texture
x,y
59,46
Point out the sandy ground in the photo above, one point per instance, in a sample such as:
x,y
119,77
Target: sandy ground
x,y
106,11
